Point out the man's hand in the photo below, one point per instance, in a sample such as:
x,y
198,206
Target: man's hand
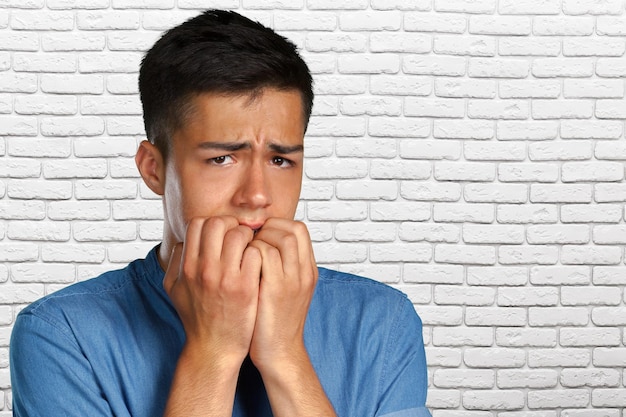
x,y
213,281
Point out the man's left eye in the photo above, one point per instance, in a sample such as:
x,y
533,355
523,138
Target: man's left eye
x,y
277,160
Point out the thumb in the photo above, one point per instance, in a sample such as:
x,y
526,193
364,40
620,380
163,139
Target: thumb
x,y
173,268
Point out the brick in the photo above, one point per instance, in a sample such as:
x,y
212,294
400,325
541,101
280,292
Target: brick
x,y
39,62
336,126
372,232
367,190
594,337
611,25
143,4
498,109
116,62
399,127
336,211
471,45
525,130
532,7
557,316
530,88
376,148
463,88
125,126
517,378
430,149
127,252
79,210
83,253
560,357
370,21
516,46
426,107
406,252
416,232
608,397
335,168
464,378
596,88
457,171
451,66
493,234
99,189
591,413
433,274
558,398
591,129
152,231
72,126
494,357
46,273
585,296
610,109
496,193
22,210
369,64
463,129
482,151
523,214
562,67
563,26
610,150
609,316
77,4
123,168
523,337
601,213
400,4
497,276
399,211
340,84
495,316
493,400
122,84
20,41
46,104
468,296
394,169
400,85
560,275
435,22
528,172
336,42
38,189
609,275
609,357
609,235
18,126
372,106
444,357
580,7
463,213
465,6
501,25
593,47
611,67
498,68
562,109
110,20
560,151
104,231
465,254
561,193
104,147
157,20
69,41
518,297
137,210
591,255
20,168
110,105
462,336
38,231
445,399
21,293
407,42
563,234
41,20
331,252
72,83
18,83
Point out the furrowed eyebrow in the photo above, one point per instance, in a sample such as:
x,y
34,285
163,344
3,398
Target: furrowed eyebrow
x,y
237,146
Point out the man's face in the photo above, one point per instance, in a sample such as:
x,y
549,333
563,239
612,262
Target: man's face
x,y
235,156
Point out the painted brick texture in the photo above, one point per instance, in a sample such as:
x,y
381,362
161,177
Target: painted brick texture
x,y
469,152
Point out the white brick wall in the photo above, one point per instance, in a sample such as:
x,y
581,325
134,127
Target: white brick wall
x,y
469,152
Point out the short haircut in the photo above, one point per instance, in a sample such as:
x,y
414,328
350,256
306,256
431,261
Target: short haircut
x,y
217,52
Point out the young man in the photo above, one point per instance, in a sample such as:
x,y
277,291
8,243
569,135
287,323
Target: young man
x,y
229,315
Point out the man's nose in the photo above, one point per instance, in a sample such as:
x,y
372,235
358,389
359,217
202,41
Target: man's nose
x,y
254,190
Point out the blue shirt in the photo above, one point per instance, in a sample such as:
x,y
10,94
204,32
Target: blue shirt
x,y
109,347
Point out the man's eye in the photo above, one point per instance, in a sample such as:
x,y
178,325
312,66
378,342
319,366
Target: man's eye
x,y
220,160
281,162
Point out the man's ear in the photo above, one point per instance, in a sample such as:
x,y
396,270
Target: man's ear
x,y
151,166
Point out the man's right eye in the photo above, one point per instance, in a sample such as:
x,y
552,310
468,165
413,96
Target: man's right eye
x,y
220,160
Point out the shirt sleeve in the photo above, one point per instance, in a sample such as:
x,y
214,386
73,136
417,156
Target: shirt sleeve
x,y
404,381
49,374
